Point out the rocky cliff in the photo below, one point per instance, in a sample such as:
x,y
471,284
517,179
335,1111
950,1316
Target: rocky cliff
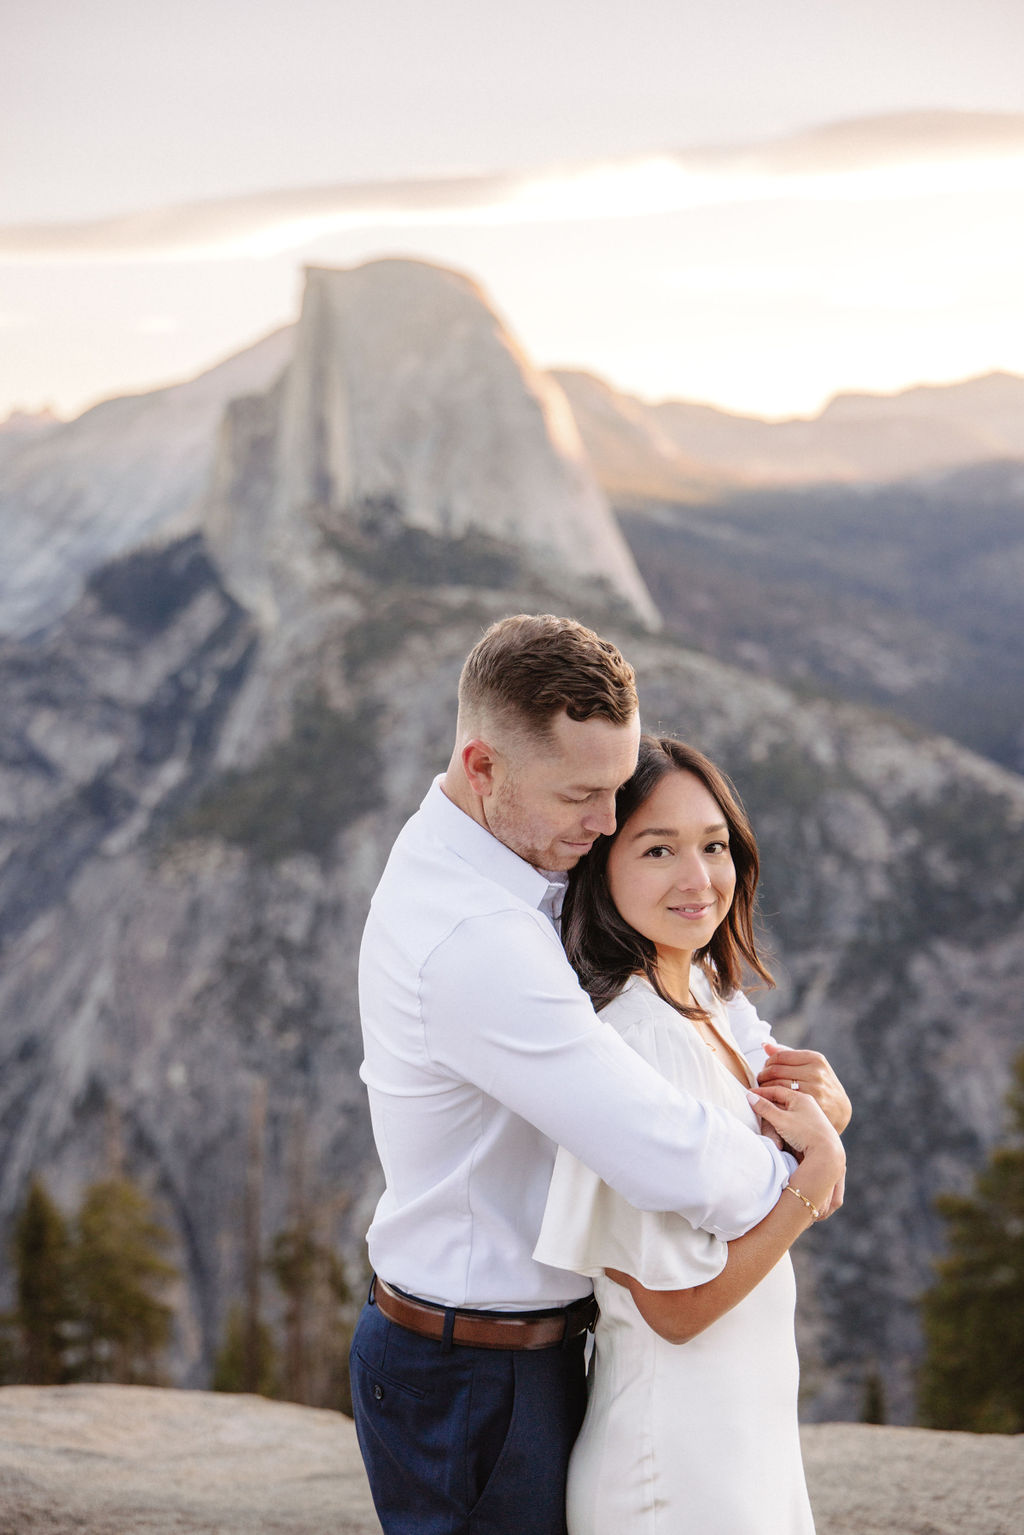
x,y
407,409
74,494
203,766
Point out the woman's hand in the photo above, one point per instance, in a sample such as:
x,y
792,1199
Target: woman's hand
x,y
795,1116
815,1076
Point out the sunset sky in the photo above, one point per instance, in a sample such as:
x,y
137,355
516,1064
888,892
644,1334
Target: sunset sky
x,y
756,204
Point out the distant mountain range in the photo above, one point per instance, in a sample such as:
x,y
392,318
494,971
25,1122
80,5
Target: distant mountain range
x,y
907,596
681,450
209,741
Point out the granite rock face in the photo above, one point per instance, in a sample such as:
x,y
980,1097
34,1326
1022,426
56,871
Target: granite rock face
x,y
194,821
109,1459
76,494
406,408
203,766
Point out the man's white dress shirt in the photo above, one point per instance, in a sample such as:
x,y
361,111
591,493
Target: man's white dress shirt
x,y
483,1054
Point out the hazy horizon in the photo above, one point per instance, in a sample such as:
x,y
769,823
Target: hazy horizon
x,y
221,358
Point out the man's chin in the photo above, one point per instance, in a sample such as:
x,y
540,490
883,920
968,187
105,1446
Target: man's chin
x,y
567,858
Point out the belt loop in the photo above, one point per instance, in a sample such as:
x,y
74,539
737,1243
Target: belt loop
x,y
449,1328
371,1294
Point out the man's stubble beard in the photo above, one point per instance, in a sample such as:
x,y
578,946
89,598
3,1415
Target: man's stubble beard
x,y
506,820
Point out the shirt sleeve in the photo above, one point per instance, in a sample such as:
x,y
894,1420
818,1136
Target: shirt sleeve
x,y
502,1009
589,1227
750,1031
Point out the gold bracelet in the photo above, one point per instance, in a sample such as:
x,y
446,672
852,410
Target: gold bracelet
x,y
816,1213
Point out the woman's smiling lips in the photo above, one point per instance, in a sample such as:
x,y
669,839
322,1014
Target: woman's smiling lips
x,y
690,913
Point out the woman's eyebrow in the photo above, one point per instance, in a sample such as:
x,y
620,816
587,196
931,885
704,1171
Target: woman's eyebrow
x,y
673,831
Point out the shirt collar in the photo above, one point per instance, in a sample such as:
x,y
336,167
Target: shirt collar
x,y
551,902
474,843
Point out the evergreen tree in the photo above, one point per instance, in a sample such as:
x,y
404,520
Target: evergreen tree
x,y
973,1373
873,1409
311,1279
119,1274
41,1252
233,1368
10,1372
253,1336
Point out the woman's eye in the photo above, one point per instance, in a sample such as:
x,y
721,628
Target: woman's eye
x,y
657,852
717,847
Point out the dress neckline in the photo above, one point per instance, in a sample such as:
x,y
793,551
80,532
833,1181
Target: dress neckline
x,y
715,1008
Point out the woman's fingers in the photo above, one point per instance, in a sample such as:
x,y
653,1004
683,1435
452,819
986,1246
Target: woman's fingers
x,y
838,1194
781,1093
810,1072
795,1115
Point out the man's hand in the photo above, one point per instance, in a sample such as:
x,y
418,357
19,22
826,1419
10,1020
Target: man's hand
x,y
815,1077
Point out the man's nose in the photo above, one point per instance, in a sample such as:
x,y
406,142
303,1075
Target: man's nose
x,y
600,817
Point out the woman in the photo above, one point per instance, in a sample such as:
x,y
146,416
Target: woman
x,y
691,1423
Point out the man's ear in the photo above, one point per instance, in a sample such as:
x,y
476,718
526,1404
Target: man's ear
x,y
480,762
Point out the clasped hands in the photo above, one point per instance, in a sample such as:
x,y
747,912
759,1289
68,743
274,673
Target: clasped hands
x,y
809,1073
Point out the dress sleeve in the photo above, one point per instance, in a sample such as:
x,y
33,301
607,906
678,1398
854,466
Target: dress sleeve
x,y
588,1227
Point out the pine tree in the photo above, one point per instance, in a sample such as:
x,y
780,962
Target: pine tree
x,y
873,1408
311,1279
973,1374
41,1253
253,1366
119,1274
233,1368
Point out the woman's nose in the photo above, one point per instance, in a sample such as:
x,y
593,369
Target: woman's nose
x,y
693,874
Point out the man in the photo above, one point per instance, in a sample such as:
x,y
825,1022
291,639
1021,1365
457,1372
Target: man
x,y
482,1053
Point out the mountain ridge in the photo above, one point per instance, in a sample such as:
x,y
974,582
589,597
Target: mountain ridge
x,y
81,492
856,438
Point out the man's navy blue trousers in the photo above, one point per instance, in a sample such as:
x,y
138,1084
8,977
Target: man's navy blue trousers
x,y
464,1441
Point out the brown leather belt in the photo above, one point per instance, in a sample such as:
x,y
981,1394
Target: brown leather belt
x,y
486,1329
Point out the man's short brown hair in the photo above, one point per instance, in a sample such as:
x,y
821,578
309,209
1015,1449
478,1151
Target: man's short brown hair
x,y
528,668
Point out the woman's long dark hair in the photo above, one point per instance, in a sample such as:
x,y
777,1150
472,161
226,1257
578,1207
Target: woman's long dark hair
x,y
603,949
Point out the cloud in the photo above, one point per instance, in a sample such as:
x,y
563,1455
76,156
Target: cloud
x,y
896,156
896,139
259,224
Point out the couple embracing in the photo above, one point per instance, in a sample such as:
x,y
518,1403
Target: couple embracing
x,y
584,1127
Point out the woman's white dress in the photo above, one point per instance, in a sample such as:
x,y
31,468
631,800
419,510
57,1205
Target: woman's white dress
x,y
698,1438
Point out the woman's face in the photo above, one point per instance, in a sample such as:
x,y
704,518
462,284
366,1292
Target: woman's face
x,y
670,871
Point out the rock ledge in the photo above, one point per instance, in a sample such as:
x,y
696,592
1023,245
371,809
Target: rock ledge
x,y
129,1460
